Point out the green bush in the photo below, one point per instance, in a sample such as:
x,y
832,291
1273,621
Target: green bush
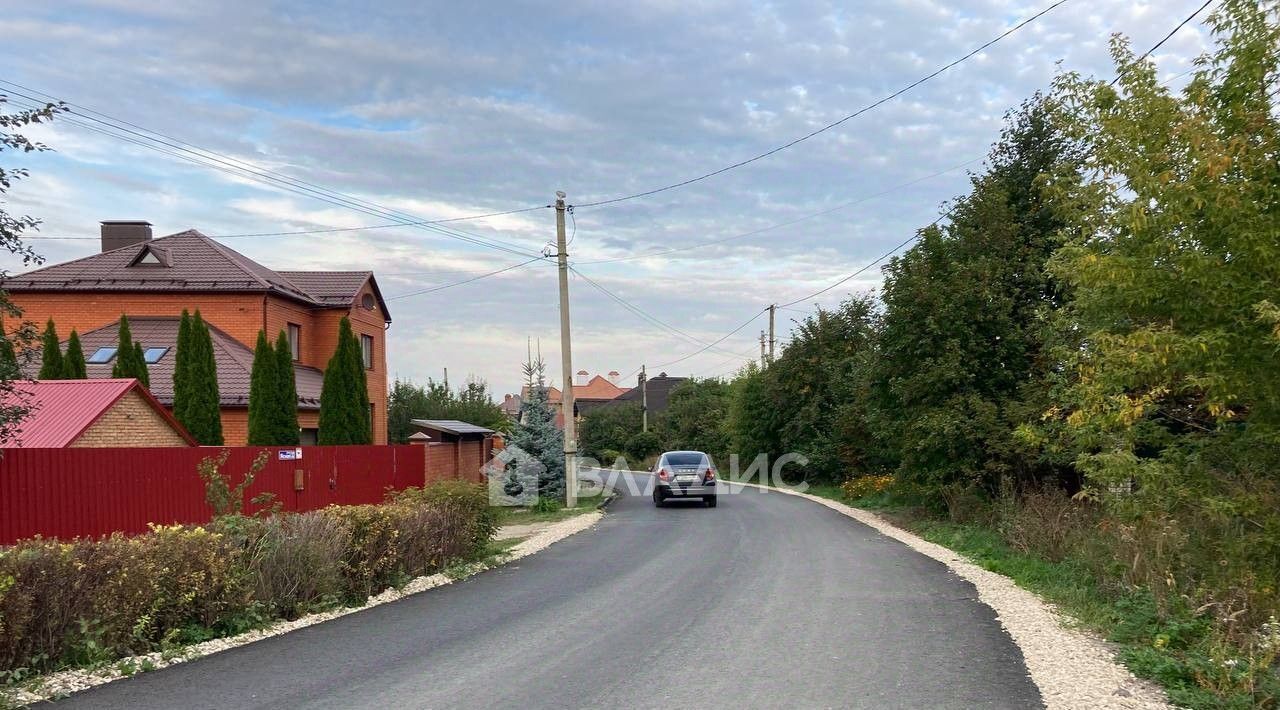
x,y
88,602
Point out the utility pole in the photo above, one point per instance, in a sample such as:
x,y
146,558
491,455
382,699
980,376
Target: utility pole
x,y
566,364
772,307
762,363
644,399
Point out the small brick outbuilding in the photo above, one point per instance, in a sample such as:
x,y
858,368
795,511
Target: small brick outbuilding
x,y
107,413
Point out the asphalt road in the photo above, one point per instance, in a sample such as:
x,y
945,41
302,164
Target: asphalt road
x,y
766,601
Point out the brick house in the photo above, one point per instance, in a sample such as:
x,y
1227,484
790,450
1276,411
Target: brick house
x,y
106,413
153,280
588,393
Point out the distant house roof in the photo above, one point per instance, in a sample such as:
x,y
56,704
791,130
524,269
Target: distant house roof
x,y
553,394
61,410
450,426
597,388
190,261
658,392
234,361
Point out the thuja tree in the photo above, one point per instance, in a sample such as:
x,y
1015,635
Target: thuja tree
x,y
286,399
50,353
129,358
263,392
73,364
12,227
196,400
536,434
344,397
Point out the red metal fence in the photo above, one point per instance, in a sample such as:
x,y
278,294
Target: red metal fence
x,y
67,493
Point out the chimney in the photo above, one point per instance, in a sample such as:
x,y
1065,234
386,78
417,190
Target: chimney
x,y
614,377
124,233
581,379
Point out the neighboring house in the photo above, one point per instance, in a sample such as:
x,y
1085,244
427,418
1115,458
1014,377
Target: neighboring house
x,y
159,338
143,278
588,392
511,406
655,392
103,413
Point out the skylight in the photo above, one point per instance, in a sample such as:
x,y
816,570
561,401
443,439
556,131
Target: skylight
x,y
153,355
101,355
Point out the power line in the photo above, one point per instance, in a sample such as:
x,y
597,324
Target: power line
x,y
646,316
207,158
788,223
1166,38
833,124
442,287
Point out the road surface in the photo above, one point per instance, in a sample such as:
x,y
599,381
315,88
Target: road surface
x,y
766,601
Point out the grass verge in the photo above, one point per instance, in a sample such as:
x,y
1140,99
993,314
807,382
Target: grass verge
x,y
1172,645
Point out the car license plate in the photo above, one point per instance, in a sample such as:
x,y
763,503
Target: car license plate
x,y
686,479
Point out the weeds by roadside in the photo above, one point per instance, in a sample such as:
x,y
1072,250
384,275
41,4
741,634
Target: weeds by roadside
x,y
1096,569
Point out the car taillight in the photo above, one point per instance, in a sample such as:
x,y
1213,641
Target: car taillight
x,y
711,475
662,473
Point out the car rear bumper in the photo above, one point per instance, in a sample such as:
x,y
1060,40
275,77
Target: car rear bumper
x,y
675,490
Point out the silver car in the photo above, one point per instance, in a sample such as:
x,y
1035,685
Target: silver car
x,y
684,474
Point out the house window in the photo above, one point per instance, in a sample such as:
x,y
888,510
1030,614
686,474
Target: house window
x,y
295,341
101,356
366,350
367,302
153,355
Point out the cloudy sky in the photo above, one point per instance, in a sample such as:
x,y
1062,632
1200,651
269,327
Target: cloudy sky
x,y
439,110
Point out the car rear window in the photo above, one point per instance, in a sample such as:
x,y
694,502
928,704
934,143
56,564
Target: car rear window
x,y
685,459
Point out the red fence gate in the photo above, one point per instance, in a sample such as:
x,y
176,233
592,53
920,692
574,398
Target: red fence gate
x,y
67,493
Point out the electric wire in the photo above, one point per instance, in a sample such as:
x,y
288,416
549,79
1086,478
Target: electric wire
x,y
833,124
442,287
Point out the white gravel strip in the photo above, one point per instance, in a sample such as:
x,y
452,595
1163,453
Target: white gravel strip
x,y
60,684
1073,669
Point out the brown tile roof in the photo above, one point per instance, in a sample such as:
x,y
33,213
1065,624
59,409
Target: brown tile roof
x,y
234,361
597,388
658,392
190,261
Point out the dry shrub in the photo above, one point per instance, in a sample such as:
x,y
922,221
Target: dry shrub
x,y
966,503
466,503
90,601
296,562
372,559
1049,523
85,600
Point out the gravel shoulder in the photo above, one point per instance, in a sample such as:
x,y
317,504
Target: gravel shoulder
x,y
1072,668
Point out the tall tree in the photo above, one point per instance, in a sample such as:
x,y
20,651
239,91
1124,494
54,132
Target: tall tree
x,y
202,414
344,396
182,368
129,358
14,409
962,346
263,392
73,364
471,403
142,372
50,354
537,436
288,433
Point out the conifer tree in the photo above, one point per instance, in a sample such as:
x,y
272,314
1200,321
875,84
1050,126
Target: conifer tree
x,y
73,365
536,434
182,367
140,369
202,415
50,354
9,369
263,392
288,433
344,398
